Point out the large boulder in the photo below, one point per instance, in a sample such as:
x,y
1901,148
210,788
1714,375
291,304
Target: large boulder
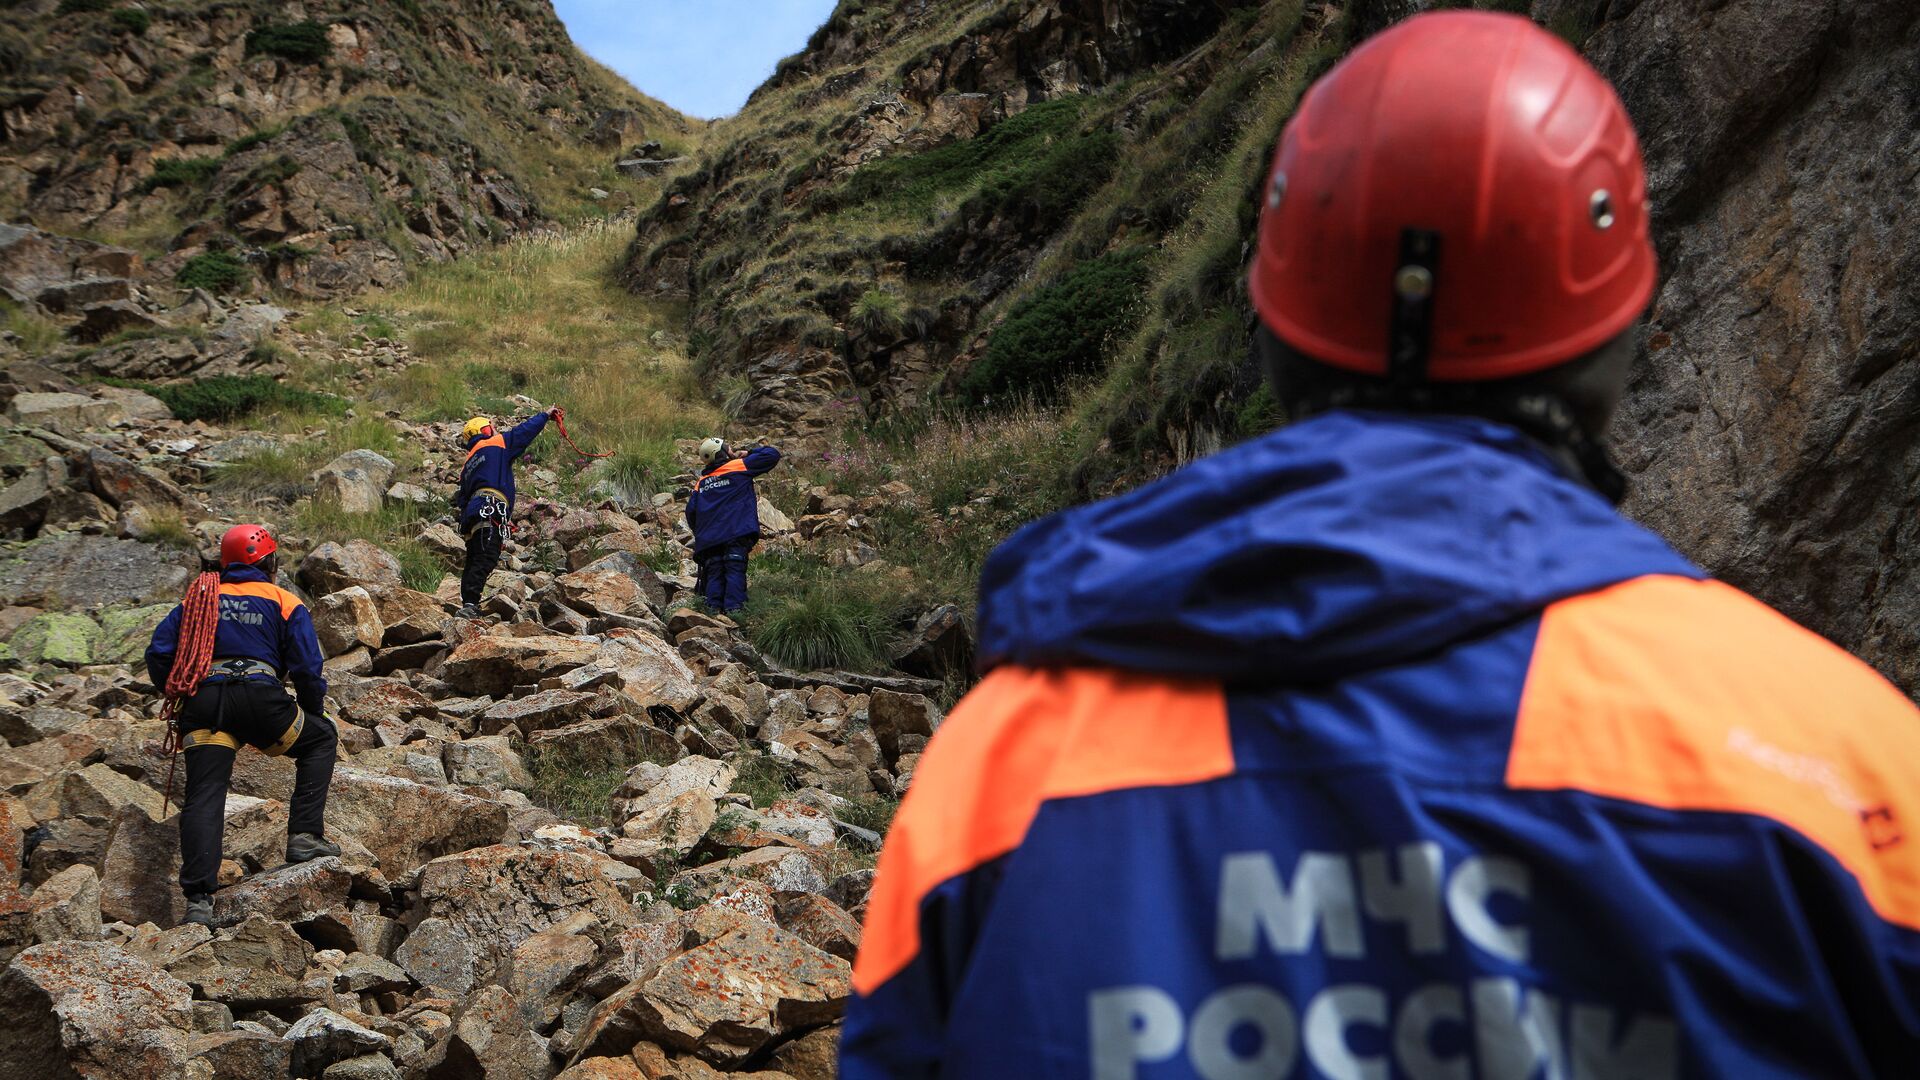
x,y
70,572
408,617
493,665
334,566
68,414
537,712
641,666
345,619
500,896
323,1037
546,968
357,480
893,715
405,824
66,906
55,638
124,485
92,1011
938,647
491,1042
778,985
259,964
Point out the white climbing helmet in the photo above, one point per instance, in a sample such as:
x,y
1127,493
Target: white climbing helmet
x,y
711,446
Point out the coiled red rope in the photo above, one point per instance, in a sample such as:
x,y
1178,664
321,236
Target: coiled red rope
x,y
192,661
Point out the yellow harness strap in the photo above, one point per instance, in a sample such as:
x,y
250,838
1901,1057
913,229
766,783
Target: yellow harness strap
x,y
209,737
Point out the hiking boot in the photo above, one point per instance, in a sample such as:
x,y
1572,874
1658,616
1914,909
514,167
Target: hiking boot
x,y
468,611
305,847
200,910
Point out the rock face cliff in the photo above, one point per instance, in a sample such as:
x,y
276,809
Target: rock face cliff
x,y
1773,427
325,145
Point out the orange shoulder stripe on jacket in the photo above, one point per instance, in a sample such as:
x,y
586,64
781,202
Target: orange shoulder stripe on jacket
x,y
1020,738
495,440
288,602
1691,695
730,467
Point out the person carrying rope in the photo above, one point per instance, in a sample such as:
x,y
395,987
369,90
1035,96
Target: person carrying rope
x,y
220,656
485,497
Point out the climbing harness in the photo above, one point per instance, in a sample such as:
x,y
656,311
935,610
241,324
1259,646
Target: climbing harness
x,y
193,660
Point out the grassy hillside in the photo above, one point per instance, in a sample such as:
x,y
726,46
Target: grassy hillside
x,y
1055,299
328,146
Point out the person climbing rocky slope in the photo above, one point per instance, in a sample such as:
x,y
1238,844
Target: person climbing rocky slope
x,y
467,931
322,148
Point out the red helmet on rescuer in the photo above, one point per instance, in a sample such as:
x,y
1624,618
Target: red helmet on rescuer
x,y
246,544
1463,194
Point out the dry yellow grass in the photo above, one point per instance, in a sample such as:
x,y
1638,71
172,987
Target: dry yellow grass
x,y
544,317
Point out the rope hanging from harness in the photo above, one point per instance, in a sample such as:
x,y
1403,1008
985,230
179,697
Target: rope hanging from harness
x,y
192,661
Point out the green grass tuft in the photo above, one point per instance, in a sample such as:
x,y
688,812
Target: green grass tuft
x,y
879,312
134,21
220,398
180,172
214,271
761,777
301,42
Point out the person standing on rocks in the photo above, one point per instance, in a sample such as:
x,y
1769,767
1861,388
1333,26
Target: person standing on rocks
x,y
485,497
1383,744
724,514
263,634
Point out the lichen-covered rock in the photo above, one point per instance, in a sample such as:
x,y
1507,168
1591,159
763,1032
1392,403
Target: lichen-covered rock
x,y
125,633
537,712
356,480
500,896
288,893
641,666
545,968
90,1010
259,964
725,999
490,1041
486,761
439,953
56,638
408,617
406,824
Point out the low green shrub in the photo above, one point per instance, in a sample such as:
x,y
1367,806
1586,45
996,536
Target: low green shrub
x,y
219,398
301,42
1060,330
253,138
879,312
180,172
214,271
134,21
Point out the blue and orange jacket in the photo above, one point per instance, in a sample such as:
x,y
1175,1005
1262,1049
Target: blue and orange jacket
x,y
724,507
258,621
490,465
1377,747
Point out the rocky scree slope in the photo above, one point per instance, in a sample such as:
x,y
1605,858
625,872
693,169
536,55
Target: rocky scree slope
x,y
319,147
698,919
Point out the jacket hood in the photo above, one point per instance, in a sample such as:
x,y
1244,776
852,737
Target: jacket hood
x,y
239,571
1337,545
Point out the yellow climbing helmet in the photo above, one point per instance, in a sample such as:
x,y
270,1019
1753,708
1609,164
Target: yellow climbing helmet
x,y
475,428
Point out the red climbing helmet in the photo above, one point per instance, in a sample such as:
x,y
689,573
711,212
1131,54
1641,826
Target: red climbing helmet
x,y
1462,198
246,544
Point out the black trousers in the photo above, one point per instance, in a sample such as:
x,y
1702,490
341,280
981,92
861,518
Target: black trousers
x,y
723,574
259,714
483,554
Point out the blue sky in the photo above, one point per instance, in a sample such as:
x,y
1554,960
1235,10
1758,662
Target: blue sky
x,y
700,56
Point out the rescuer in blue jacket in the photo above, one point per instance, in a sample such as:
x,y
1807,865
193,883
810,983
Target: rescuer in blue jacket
x,y
264,635
1382,745
485,497
724,514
